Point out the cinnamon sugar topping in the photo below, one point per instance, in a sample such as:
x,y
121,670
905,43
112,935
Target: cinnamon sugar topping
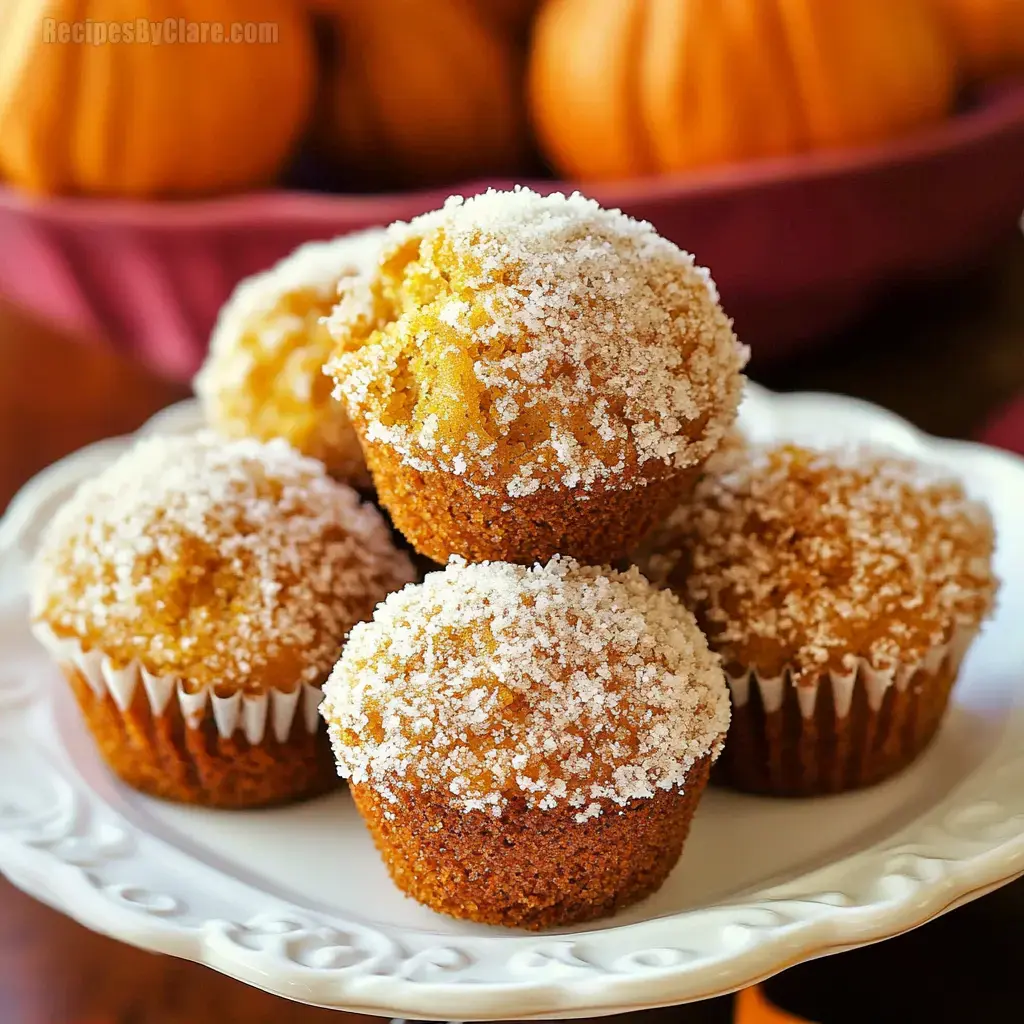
x,y
234,564
558,683
808,560
525,342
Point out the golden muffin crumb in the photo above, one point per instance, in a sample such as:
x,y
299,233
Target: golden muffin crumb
x,y
808,560
264,378
556,686
521,343
234,564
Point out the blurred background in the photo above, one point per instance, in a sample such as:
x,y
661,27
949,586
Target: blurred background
x,y
815,154
852,171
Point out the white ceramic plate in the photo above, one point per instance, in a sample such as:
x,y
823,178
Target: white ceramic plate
x,y
296,901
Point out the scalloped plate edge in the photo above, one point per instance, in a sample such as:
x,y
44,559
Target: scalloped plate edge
x,y
61,886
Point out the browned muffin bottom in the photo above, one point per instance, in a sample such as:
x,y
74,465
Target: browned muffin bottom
x,y
782,753
161,756
597,526
530,868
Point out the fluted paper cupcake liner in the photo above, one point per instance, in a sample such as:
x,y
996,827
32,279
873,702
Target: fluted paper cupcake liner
x,y
842,731
773,688
248,712
236,750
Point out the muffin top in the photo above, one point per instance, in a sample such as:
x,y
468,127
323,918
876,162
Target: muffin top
x,y
264,376
557,684
808,560
526,342
235,564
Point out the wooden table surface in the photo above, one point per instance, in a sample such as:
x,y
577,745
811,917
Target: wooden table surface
x,y
944,356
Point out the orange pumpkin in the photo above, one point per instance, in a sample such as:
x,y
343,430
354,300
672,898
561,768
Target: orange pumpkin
x,y
422,92
621,88
127,99
753,1008
989,34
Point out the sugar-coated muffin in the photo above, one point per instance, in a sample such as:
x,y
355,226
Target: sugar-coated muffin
x,y
263,376
196,594
528,745
533,375
842,589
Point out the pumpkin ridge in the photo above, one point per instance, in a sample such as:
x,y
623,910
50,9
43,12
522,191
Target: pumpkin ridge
x,y
236,75
139,87
120,83
485,51
669,82
402,131
634,43
796,19
778,42
69,75
474,111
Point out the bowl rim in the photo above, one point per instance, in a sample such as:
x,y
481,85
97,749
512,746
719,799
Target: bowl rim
x,y
999,110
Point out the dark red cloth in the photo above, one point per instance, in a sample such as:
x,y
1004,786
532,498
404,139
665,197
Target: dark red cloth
x,y
1006,430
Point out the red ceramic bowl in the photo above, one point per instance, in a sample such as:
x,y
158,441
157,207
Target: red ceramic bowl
x,y
796,245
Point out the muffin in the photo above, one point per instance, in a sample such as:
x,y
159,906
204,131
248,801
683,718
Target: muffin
x,y
842,589
528,745
263,376
196,594
533,375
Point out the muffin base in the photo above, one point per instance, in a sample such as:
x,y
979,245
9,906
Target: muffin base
x,y
440,516
162,756
530,868
782,753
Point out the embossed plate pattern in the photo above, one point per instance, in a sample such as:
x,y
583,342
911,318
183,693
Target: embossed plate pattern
x,y
295,900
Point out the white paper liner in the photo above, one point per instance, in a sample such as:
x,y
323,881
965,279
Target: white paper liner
x,y
248,712
772,688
